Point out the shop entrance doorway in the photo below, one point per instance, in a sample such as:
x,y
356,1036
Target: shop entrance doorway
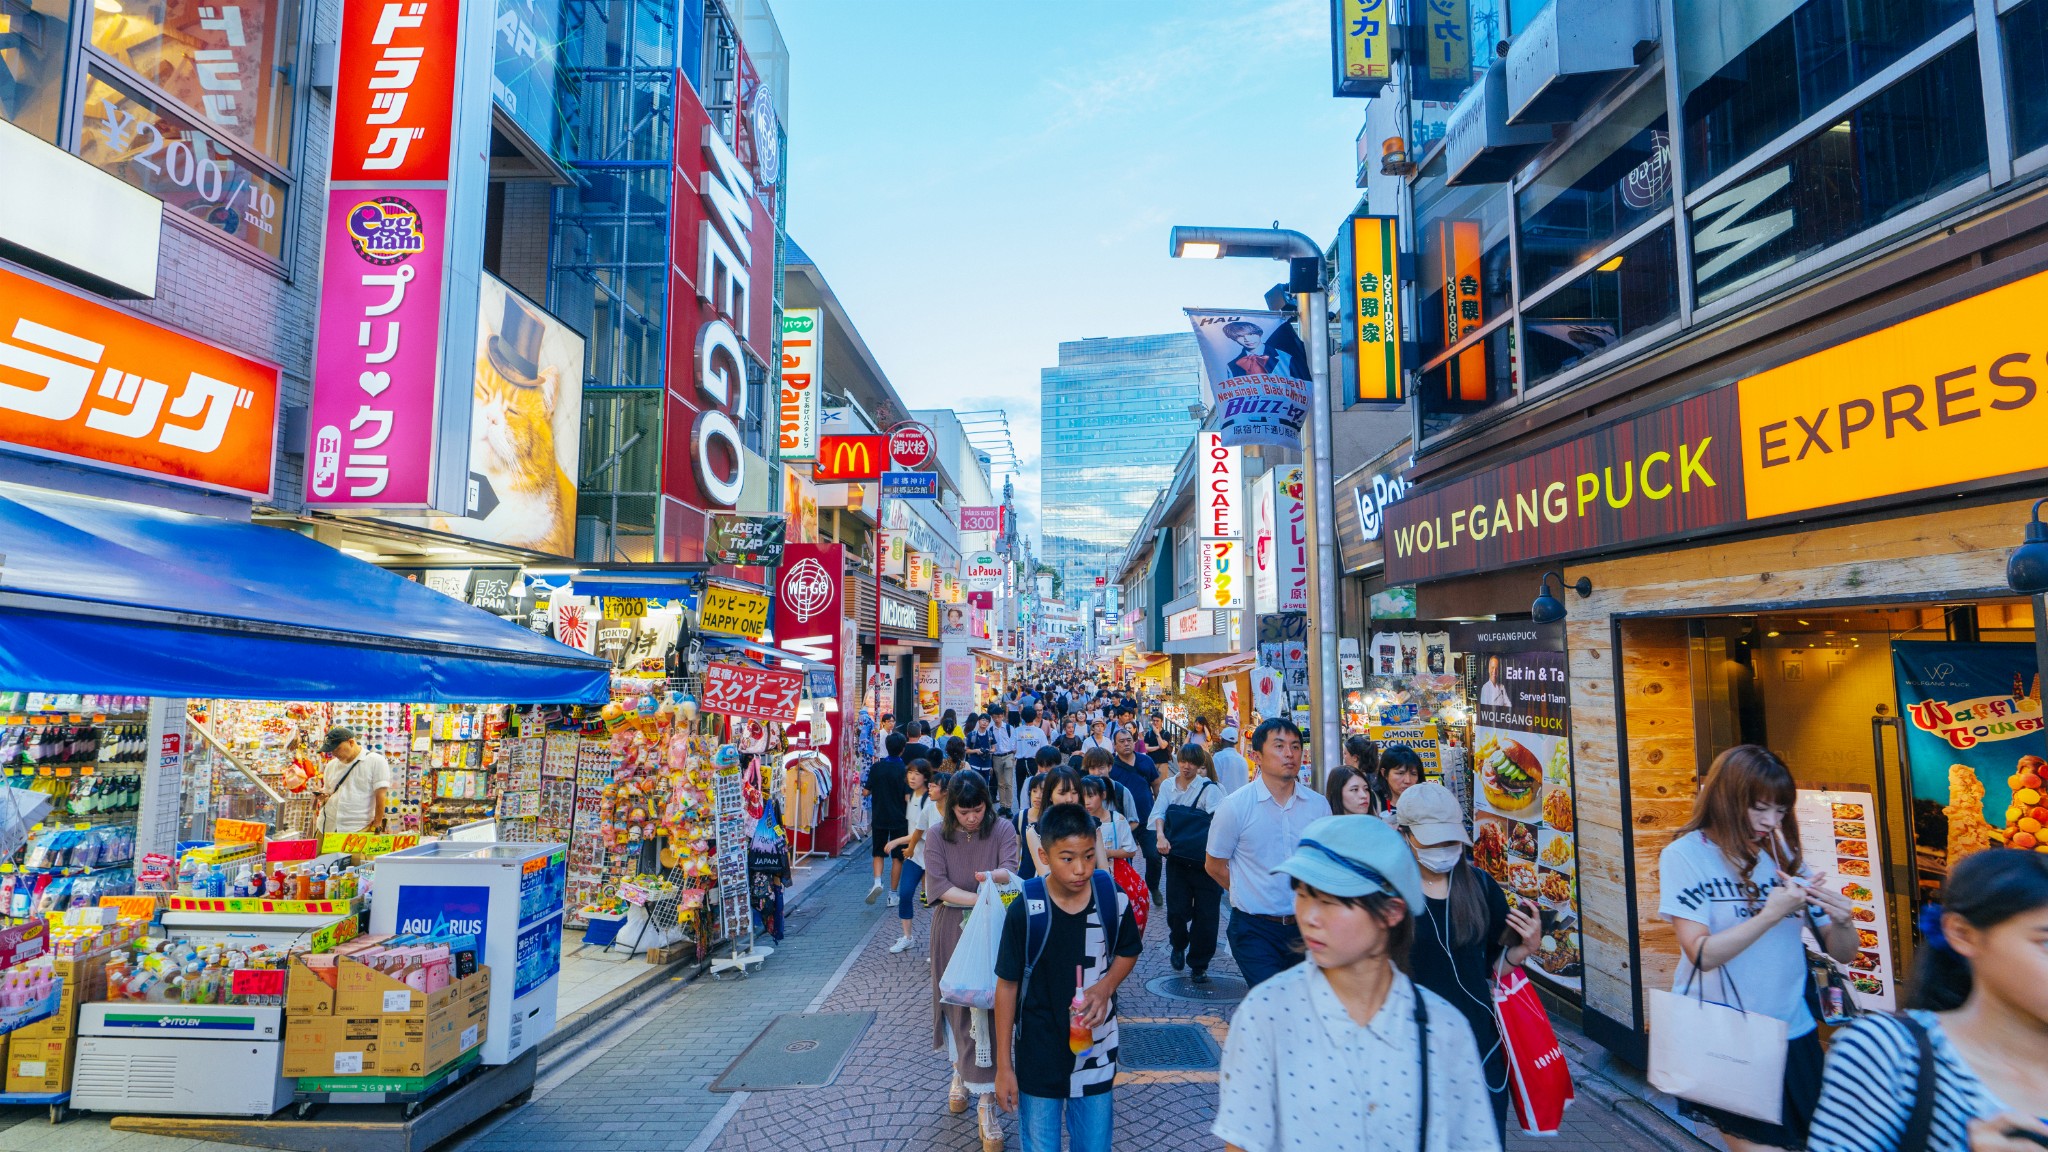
x,y
1913,732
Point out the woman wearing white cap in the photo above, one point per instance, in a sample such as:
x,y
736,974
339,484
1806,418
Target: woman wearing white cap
x,y
1466,928
1290,1066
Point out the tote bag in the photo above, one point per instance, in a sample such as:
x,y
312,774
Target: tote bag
x,y
1539,1081
1715,1055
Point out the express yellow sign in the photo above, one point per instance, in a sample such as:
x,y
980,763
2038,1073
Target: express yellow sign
x,y
1945,398
733,612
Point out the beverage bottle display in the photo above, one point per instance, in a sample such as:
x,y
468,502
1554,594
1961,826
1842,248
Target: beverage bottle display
x,y
1080,1037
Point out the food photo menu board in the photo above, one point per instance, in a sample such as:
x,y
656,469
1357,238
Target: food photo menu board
x,y
1524,820
1837,831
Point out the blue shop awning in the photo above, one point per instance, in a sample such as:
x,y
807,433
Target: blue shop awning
x,y
98,596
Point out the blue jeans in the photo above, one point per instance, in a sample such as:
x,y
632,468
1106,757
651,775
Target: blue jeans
x,y
906,892
1262,948
1088,1122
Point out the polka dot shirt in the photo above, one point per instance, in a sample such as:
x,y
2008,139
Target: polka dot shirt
x,y
1300,1076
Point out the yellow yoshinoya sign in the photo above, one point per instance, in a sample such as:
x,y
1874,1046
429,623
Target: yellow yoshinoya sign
x,y
1946,398
733,612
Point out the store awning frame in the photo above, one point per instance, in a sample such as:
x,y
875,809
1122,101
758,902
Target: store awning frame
x,y
1226,666
107,597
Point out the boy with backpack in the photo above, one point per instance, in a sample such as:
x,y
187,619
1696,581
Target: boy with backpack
x,y
1067,945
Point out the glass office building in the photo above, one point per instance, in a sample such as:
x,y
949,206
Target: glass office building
x,y
1115,420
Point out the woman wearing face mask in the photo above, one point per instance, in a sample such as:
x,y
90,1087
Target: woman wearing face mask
x,y
1980,1000
1466,930
1736,889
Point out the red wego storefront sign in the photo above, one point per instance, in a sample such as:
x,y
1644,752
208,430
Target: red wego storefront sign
x,y
721,245
810,608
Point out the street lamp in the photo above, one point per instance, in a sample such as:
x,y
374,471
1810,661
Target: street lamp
x,y
2026,571
1313,310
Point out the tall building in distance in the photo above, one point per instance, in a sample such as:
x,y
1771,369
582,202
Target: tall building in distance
x,y
1114,420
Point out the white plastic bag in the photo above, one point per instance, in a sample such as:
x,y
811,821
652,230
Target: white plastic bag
x,y
970,976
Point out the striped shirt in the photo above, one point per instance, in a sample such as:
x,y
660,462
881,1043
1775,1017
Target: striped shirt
x,y
1866,1094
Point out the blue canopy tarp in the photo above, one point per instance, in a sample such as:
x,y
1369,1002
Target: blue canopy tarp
x,y
106,597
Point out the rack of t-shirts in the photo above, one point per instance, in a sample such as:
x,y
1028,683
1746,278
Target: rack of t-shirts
x,y
804,785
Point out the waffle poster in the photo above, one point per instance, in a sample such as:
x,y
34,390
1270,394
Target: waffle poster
x,y
1973,740
1524,823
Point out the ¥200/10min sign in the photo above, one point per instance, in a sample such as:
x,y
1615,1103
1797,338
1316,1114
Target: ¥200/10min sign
x,y
753,693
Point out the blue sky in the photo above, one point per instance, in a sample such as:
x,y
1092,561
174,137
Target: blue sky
x,y
980,180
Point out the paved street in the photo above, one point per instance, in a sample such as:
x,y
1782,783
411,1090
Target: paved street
x,y
640,1080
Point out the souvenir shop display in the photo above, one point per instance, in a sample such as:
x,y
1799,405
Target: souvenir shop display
x,y
519,766
78,767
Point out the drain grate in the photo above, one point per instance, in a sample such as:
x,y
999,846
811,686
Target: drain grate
x,y
1219,989
1166,1048
796,1050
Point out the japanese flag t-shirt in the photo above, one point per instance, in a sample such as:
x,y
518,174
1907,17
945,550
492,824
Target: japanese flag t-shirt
x,y
1697,883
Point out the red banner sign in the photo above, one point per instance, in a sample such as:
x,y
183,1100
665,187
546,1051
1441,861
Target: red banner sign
x,y
752,693
844,458
910,444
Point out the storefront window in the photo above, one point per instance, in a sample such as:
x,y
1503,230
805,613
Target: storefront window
x,y
34,36
191,171
1751,69
230,65
1465,275
1474,379
1916,139
1609,182
1635,290
2026,46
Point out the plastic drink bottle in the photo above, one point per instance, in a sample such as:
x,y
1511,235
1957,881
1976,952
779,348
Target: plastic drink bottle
x,y
1080,1037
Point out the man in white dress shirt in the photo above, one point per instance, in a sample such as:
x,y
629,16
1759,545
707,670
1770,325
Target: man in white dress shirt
x,y
1254,831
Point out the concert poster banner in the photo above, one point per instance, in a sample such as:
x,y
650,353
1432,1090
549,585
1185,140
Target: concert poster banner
x,y
1257,375
1524,815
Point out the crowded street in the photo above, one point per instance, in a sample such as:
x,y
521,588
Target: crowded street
x,y
1078,576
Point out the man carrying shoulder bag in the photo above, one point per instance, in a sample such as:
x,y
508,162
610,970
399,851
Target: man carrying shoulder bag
x,y
1180,822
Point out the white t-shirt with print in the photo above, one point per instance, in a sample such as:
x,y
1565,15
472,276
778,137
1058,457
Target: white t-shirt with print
x,y
1698,884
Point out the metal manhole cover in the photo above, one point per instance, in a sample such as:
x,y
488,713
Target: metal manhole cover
x,y
1219,989
1166,1048
796,1050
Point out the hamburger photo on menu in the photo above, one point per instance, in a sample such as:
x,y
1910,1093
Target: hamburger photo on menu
x,y
1509,773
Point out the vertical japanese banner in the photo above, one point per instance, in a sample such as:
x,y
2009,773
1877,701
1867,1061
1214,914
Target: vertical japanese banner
x,y
1265,556
1362,46
1290,538
802,338
402,256
1524,818
1375,316
810,609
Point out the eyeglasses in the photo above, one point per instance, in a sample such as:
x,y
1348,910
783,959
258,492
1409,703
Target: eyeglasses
x,y
1378,881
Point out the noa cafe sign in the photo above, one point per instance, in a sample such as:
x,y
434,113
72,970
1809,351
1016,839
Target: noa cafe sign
x,y
1221,489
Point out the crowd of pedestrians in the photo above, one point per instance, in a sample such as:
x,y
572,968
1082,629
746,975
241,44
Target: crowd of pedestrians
x,y
1370,940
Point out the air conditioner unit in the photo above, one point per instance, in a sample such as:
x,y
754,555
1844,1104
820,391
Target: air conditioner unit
x,y
1570,53
1480,146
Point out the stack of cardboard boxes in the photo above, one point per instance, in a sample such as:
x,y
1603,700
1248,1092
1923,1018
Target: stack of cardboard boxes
x,y
345,1018
39,1055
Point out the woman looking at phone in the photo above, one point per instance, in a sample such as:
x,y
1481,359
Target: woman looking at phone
x,y
1737,891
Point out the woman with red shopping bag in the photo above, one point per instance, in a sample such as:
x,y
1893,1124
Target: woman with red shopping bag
x,y
1467,928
